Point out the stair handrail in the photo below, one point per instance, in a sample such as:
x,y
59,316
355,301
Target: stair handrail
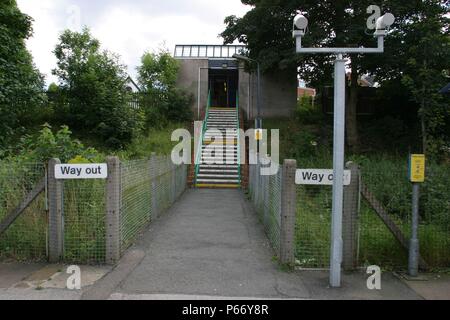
x,y
202,137
238,137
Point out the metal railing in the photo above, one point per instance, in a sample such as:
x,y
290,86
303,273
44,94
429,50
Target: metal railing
x,y
202,136
238,125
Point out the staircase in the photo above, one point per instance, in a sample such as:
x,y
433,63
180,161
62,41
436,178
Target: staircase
x,y
219,159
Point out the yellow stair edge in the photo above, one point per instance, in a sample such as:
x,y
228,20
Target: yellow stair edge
x,y
218,186
214,143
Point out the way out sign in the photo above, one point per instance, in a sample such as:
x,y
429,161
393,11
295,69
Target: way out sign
x,y
319,177
81,171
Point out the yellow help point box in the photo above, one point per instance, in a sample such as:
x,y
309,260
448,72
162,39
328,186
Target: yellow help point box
x,y
258,134
417,168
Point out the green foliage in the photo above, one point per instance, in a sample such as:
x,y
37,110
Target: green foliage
x,y
427,53
162,100
156,141
94,84
49,145
307,112
158,71
20,82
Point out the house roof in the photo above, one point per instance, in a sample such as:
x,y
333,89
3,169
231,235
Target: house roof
x,y
131,82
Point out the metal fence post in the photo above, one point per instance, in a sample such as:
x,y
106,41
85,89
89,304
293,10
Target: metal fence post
x,y
173,183
113,196
350,219
288,212
154,174
55,219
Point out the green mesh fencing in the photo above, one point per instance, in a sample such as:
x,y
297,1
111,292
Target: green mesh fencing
x,y
84,221
378,246
265,193
313,226
26,238
148,189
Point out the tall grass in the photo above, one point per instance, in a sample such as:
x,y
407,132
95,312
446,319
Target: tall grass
x,y
26,238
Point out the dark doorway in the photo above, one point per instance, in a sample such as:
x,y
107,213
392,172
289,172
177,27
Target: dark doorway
x,y
223,85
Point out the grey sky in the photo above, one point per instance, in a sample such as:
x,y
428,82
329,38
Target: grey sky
x,y
128,28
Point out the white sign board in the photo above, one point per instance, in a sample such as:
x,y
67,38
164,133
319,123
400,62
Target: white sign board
x,y
81,171
319,177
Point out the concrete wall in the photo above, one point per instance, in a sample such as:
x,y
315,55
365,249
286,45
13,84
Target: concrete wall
x,y
188,80
278,94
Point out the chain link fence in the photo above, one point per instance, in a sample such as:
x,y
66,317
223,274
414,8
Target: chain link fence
x,y
375,242
265,193
77,231
377,245
148,188
84,204
313,225
376,217
26,238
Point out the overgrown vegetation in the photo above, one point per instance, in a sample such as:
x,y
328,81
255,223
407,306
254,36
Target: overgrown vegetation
x,y
93,85
21,83
308,139
163,101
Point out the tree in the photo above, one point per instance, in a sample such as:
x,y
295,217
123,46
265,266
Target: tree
x,y
21,84
427,41
158,74
94,82
267,31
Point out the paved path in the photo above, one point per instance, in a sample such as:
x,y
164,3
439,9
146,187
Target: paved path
x,y
211,244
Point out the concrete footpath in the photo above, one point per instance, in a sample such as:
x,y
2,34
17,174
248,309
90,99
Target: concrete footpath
x,y
210,245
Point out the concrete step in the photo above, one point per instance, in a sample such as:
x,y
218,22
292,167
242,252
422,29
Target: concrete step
x,y
218,148
217,186
222,122
231,134
221,161
216,181
221,127
231,117
219,151
206,156
224,171
222,112
218,166
222,117
218,176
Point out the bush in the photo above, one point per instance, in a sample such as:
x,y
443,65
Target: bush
x,y
94,84
307,112
49,145
163,101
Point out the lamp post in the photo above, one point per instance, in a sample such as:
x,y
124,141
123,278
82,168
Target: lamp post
x,y
258,90
300,27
